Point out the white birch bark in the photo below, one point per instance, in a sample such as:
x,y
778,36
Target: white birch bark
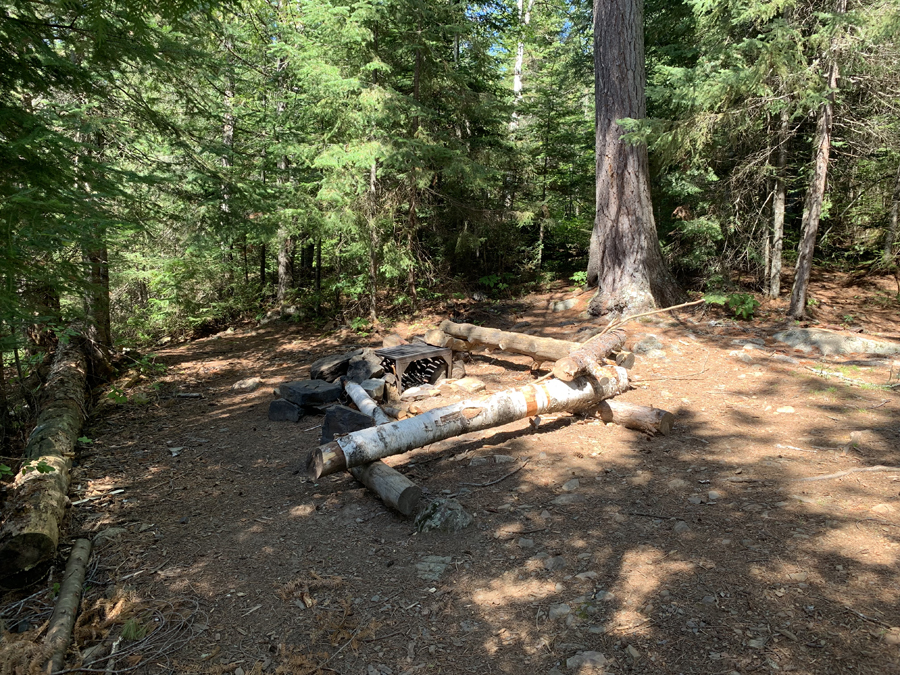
x,y
367,445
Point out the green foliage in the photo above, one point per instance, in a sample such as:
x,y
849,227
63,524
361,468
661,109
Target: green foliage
x,y
580,278
133,629
5,471
40,466
116,395
742,305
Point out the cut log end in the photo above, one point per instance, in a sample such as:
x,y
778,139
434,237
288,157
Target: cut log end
x,y
639,417
395,489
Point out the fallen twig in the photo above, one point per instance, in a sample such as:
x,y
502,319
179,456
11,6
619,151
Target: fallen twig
x,y
622,322
502,478
840,474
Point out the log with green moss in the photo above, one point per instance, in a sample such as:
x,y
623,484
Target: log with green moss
x,y
30,527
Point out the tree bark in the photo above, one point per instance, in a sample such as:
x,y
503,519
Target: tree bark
x,y
59,635
538,348
893,227
587,358
640,417
815,194
367,445
30,532
625,260
778,203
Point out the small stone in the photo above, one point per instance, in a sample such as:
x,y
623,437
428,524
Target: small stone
x,y
586,576
108,533
883,508
332,367
470,385
798,576
393,340
633,652
566,500
741,356
676,484
306,393
281,410
647,344
443,515
504,459
374,388
249,384
713,496
604,596
238,671
681,527
557,562
709,599
559,611
892,636
479,461
364,366
545,514
757,643
785,409
432,567
784,358
525,543
658,354
570,485
695,499
587,662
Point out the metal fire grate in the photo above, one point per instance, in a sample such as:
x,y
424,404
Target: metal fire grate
x,y
422,357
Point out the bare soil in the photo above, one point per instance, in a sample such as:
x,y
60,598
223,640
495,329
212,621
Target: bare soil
x,y
722,548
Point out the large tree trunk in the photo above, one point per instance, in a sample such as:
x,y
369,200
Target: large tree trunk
x,y
625,258
891,235
30,530
815,195
368,445
779,199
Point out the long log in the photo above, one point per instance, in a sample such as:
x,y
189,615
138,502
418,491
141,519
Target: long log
x,y
395,489
640,417
586,358
367,445
59,635
538,348
30,533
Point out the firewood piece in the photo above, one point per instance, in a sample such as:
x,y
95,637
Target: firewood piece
x,y
538,348
588,355
640,417
37,501
367,445
395,489
63,619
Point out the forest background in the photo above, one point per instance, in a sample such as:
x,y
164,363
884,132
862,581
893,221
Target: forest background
x,y
166,167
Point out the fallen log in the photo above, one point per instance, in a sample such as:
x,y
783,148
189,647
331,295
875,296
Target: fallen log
x,y
395,489
538,348
640,417
367,445
62,621
586,358
37,503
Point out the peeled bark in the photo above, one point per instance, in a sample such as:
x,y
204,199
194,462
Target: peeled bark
x,y
37,503
367,445
640,417
625,260
588,357
538,348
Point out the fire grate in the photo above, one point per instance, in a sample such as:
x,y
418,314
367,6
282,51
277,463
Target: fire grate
x,y
425,360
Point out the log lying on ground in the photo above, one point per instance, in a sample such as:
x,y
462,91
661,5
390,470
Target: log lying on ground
x,y
586,358
37,503
395,489
538,348
367,445
59,634
640,417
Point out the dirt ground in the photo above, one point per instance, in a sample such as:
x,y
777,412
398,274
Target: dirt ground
x,y
725,547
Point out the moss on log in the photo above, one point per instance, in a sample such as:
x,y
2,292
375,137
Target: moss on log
x,y
31,520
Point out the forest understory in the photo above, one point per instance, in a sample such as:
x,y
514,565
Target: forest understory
x,y
751,539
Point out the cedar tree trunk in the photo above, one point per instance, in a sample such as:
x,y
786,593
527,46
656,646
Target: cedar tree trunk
x,y
625,260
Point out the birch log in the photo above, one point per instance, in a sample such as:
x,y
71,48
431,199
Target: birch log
x,y
367,445
395,489
640,417
37,503
538,348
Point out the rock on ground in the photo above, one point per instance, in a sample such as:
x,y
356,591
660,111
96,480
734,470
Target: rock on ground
x,y
829,342
281,410
308,393
443,515
340,420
